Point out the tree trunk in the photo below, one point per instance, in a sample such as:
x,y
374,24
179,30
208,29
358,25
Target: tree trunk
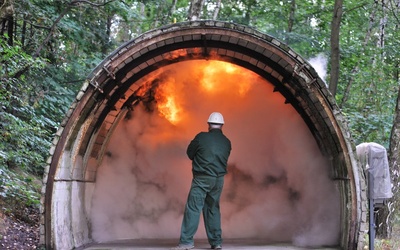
x,y
23,33
382,26
248,11
386,215
10,30
108,32
6,8
394,165
357,67
291,16
216,10
196,6
382,220
335,52
173,7
383,226
7,20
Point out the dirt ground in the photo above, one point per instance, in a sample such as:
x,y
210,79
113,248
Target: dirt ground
x,y
18,235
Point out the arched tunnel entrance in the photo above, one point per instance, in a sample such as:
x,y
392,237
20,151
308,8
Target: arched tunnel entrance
x,y
119,171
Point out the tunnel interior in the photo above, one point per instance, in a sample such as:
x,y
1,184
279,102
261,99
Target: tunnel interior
x,y
119,168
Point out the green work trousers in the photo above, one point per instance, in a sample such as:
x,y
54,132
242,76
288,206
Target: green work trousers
x,y
204,195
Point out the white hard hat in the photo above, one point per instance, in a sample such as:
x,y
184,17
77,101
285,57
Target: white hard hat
x,y
216,117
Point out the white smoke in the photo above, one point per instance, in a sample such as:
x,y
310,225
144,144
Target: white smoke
x,y
277,189
320,63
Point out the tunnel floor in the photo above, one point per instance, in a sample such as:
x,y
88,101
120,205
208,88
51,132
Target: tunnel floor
x,y
199,244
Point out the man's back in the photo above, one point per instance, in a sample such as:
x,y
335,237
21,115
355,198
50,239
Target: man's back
x,y
209,152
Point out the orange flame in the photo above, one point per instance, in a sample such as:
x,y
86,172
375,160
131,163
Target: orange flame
x,y
167,101
213,77
211,72
217,72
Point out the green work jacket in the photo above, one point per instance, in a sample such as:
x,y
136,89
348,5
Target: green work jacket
x,y
209,152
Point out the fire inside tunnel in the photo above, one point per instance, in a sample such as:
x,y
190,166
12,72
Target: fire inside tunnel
x,y
119,168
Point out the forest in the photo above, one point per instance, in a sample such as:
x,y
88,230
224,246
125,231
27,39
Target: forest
x,y
49,47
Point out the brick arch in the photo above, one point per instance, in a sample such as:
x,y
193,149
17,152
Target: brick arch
x,y
79,144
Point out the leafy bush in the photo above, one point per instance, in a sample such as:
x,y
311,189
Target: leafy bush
x,y
19,195
25,134
23,143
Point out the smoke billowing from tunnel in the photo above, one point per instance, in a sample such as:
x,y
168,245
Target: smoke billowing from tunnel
x,y
277,188
320,64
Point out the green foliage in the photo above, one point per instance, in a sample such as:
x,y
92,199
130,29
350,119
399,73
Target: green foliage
x,y
18,194
14,59
132,18
21,142
368,78
367,127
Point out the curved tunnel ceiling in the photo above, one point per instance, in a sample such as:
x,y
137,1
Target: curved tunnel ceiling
x,y
293,77
111,90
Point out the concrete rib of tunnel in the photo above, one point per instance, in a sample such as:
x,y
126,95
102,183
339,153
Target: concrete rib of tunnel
x,y
110,90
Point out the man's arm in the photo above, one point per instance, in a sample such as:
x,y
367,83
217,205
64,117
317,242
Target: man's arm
x,y
192,148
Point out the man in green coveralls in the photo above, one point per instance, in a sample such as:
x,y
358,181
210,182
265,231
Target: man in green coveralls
x,y
209,152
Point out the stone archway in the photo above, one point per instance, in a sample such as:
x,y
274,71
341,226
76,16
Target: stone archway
x,y
115,87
